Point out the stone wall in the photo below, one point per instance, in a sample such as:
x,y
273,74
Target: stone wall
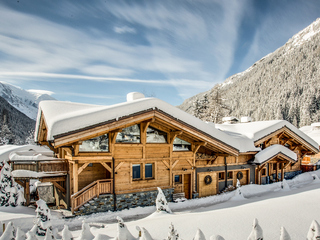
x,y
105,202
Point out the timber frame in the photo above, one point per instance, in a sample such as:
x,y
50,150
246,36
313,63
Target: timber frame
x,y
93,173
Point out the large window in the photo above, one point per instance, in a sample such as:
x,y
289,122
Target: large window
x,y
136,171
129,135
156,136
181,145
98,144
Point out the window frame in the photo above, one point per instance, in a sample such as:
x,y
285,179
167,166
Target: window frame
x,y
143,172
223,177
230,172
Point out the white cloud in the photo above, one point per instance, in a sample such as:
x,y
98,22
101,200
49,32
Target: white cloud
x,y
124,29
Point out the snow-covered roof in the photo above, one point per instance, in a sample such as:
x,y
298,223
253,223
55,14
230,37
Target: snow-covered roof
x,y
33,174
312,131
5,150
270,152
64,117
260,129
21,156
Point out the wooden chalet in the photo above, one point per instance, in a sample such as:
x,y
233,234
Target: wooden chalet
x,y
118,155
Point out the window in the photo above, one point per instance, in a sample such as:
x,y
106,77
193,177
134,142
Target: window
x,y
178,179
136,171
129,135
230,175
98,144
148,170
181,145
156,136
221,175
264,172
274,166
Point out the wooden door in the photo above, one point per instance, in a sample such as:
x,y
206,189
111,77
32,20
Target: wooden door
x,y
186,185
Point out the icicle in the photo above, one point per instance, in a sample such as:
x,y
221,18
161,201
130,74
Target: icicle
x,y
66,234
161,202
256,233
284,234
199,235
85,232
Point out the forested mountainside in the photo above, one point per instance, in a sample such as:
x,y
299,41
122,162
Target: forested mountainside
x,y
18,112
15,127
283,85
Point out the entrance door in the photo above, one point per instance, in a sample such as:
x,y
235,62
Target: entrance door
x,y
187,185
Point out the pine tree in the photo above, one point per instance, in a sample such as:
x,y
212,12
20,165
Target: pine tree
x,y
86,234
199,235
284,234
49,235
256,233
314,231
20,235
123,232
43,219
161,202
145,235
216,237
8,189
66,234
9,233
172,234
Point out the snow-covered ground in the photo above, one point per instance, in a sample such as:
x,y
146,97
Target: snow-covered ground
x,y
294,207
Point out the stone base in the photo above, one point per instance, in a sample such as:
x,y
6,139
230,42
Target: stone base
x,y
105,202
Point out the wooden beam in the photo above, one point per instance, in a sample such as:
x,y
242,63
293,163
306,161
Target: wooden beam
x,y
75,177
53,179
83,167
23,184
27,192
57,185
175,163
106,167
189,162
166,164
174,134
118,166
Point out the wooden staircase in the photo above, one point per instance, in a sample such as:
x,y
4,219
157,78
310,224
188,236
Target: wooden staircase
x,y
89,192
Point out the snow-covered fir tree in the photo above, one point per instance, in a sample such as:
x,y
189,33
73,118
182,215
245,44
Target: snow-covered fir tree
x,y
86,233
123,232
172,234
66,234
43,219
161,202
199,235
8,189
256,233
20,235
145,235
31,235
216,237
49,235
9,233
284,235
314,231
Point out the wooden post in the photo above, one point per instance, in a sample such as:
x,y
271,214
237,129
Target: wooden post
x,y
75,177
259,176
282,171
277,166
27,192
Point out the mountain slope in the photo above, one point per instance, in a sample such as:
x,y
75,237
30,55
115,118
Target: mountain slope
x,y
282,85
15,127
23,100
18,112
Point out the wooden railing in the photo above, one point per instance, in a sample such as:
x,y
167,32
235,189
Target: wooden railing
x,y
60,165
89,192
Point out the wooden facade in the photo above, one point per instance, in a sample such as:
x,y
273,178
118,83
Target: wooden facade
x,y
203,167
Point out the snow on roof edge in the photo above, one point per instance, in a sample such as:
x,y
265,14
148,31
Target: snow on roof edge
x,y
268,153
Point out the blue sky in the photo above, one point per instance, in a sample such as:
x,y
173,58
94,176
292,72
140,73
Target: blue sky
x,y
98,51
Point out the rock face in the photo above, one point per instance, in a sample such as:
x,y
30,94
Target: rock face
x,y
283,85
